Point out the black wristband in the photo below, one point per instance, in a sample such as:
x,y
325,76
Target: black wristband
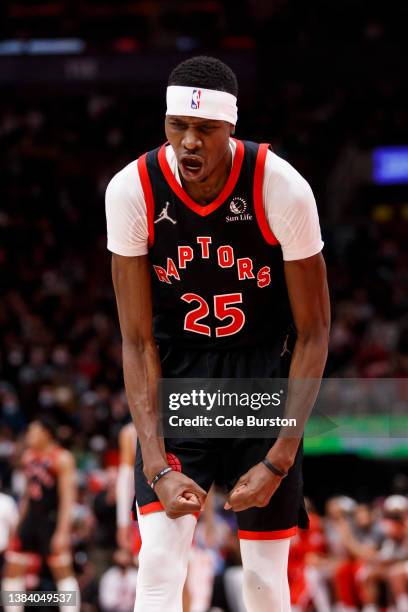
x,y
159,475
272,468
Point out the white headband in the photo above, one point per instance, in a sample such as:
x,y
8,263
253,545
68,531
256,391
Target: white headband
x,y
200,102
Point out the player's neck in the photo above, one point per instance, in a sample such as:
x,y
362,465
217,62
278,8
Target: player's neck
x,y
206,191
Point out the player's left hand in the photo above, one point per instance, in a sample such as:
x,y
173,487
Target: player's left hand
x,y
253,489
59,542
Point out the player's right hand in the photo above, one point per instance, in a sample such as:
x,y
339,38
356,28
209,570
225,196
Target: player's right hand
x,y
179,495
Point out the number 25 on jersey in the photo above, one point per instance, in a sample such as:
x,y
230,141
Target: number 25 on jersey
x,y
223,309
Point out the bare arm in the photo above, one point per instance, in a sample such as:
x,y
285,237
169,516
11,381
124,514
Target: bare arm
x,y
66,484
125,489
127,445
66,491
309,298
141,365
131,278
361,550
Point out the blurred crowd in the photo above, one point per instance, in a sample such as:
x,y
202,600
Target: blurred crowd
x,y
353,557
129,25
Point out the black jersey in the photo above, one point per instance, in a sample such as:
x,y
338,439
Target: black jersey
x,y
217,270
41,475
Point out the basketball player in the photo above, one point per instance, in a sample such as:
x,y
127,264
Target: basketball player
x,y
215,288
45,513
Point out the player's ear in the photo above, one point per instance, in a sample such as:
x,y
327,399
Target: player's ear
x,y
232,129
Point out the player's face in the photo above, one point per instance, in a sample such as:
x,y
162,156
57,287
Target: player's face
x,y
37,436
200,145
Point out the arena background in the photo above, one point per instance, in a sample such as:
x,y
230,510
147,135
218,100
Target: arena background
x,y
82,94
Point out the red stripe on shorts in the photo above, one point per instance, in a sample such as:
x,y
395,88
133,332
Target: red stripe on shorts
x,y
267,535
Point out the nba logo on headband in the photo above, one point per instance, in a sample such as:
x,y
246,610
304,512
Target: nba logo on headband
x,y
195,99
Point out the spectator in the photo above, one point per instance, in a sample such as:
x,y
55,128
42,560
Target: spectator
x,y
105,513
117,588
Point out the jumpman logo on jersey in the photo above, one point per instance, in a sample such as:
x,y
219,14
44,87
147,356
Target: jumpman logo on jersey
x,y
165,215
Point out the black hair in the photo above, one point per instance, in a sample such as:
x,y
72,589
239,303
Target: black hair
x,y
206,72
48,423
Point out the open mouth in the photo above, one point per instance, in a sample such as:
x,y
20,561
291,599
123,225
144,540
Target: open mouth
x,y
191,165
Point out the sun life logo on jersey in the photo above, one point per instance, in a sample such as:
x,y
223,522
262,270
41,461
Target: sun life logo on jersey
x,y
238,206
195,99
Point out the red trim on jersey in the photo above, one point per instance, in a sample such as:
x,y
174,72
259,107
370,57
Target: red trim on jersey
x,y
228,188
258,195
148,196
267,535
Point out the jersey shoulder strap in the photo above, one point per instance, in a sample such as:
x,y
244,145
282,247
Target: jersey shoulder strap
x,y
257,154
147,191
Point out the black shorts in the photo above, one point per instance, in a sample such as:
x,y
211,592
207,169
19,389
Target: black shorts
x,y
34,535
224,460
